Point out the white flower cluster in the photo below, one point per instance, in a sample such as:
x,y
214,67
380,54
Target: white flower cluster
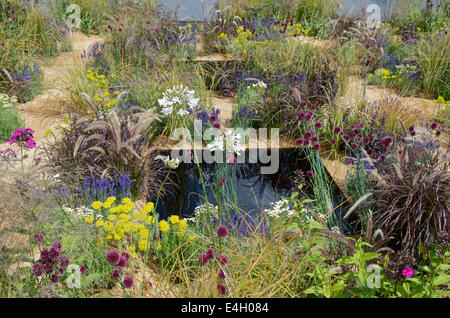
x,y
7,101
82,212
231,142
279,208
203,209
171,163
177,99
405,69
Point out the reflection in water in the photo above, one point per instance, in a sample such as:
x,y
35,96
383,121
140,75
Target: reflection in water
x,y
245,185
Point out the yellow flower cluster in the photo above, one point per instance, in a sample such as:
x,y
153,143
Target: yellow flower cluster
x,y
124,220
386,74
102,82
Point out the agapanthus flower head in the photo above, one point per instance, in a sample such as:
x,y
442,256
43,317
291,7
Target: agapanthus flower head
x,y
113,257
128,281
222,231
38,238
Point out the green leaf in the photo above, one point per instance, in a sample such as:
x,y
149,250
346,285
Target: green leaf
x,y
90,278
368,256
441,279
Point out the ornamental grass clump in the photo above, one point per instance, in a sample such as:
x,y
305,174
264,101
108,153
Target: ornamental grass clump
x,y
411,198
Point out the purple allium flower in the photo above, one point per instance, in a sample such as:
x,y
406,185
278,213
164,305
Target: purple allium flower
x,y
337,130
309,115
333,141
211,254
306,142
38,269
221,274
222,231
216,125
354,146
115,274
411,129
303,103
213,118
222,289
54,278
54,253
299,141
413,133
408,272
301,114
82,269
308,134
128,281
113,257
64,260
57,244
366,140
347,137
203,259
309,174
314,139
122,262
313,107
316,146
223,181
433,125
38,238
318,124
61,270
126,255
222,259
49,266
438,133
44,255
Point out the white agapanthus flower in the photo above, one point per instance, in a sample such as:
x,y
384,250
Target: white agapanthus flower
x,y
279,208
171,163
231,142
178,97
217,144
260,84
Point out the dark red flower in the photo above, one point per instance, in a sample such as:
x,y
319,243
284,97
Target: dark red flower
x,y
128,281
222,289
54,278
222,231
113,257
82,269
222,259
309,174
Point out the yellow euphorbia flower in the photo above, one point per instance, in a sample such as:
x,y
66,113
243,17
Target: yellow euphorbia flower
x,y
89,219
163,226
97,205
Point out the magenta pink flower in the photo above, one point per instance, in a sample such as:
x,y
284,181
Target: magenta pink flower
x,y
316,146
203,259
301,114
309,174
217,125
223,181
308,134
115,274
221,274
38,237
408,272
303,103
318,124
222,259
54,278
337,130
299,141
82,269
333,141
